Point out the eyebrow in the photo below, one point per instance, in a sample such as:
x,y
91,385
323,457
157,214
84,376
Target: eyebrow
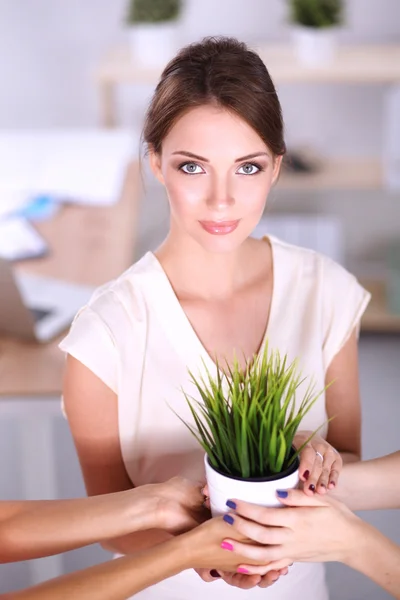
x,y
197,157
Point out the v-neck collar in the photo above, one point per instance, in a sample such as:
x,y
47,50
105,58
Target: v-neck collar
x,y
175,322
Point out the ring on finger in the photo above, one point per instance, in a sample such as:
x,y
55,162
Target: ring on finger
x,y
319,454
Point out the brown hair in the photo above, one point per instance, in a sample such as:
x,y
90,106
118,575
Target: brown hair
x,y
220,71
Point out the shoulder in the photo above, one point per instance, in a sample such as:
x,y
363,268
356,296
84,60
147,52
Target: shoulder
x,y
321,267
121,302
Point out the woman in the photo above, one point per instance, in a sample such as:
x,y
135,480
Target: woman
x,y
324,529
35,529
214,135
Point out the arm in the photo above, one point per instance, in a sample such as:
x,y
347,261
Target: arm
x,y
41,528
124,577
321,461
36,529
318,528
379,559
370,485
92,412
343,402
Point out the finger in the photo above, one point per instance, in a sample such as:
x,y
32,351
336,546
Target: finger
x,y
254,512
332,461
307,459
208,575
316,470
243,581
298,498
262,534
333,478
269,579
278,567
259,555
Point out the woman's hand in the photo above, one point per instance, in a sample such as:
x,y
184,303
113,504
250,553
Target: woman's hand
x,y
320,463
206,553
180,505
317,529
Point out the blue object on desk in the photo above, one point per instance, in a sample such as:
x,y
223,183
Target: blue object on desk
x,y
39,208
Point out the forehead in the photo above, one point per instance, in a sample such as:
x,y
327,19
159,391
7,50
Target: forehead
x,y
209,131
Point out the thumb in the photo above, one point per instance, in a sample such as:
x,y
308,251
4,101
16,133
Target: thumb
x,y
299,498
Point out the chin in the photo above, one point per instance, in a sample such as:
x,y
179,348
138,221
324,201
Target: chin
x,y
221,244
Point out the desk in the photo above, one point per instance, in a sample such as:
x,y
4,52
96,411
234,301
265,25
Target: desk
x,y
89,245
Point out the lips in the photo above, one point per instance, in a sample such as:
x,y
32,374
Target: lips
x,y
219,227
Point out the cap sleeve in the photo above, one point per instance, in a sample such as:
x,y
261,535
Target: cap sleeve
x,y
90,341
344,302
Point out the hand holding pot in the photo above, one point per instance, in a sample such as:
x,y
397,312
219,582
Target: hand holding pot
x,y
320,463
312,529
213,560
180,504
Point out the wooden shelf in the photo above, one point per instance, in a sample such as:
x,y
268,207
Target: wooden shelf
x,y
377,318
340,174
370,63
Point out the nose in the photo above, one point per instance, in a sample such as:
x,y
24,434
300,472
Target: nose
x,y
220,195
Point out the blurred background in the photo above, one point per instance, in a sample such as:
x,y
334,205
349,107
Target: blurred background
x,y
76,78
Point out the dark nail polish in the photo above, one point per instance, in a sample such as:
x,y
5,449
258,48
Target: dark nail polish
x,y
228,519
306,475
282,493
322,485
311,487
214,573
231,504
332,483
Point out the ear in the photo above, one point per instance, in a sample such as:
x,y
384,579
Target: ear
x,y
155,165
277,168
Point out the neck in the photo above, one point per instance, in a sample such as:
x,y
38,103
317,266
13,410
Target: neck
x,y
197,273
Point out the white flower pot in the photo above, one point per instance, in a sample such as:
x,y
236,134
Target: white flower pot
x,y
152,45
314,47
263,492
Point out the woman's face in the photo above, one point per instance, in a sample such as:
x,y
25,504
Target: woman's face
x,y
217,172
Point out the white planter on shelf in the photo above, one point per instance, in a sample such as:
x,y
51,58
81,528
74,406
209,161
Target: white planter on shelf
x,y
258,491
314,47
152,45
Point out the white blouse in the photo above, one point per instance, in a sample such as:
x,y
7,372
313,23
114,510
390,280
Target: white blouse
x,y
135,336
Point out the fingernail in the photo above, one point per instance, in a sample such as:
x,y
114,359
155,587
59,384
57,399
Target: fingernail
x,y
322,485
282,493
227,546
214,573
228,519
332,483
311,487
241,570
231,504
306,474
274,580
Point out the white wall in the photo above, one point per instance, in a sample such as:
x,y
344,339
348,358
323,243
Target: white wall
x,y
49,50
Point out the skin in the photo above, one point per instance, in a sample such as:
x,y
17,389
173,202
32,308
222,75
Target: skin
x,y
36,529
216,279
324,529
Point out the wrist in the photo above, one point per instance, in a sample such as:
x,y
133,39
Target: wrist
x,y
141,509
364,542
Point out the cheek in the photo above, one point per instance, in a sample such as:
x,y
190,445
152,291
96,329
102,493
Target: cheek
x,y
252,192
185,193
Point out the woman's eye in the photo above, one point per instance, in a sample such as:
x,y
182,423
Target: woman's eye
x,y
248,169
191,168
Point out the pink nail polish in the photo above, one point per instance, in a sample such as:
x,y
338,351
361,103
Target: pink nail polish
x,y
244,571
227,546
